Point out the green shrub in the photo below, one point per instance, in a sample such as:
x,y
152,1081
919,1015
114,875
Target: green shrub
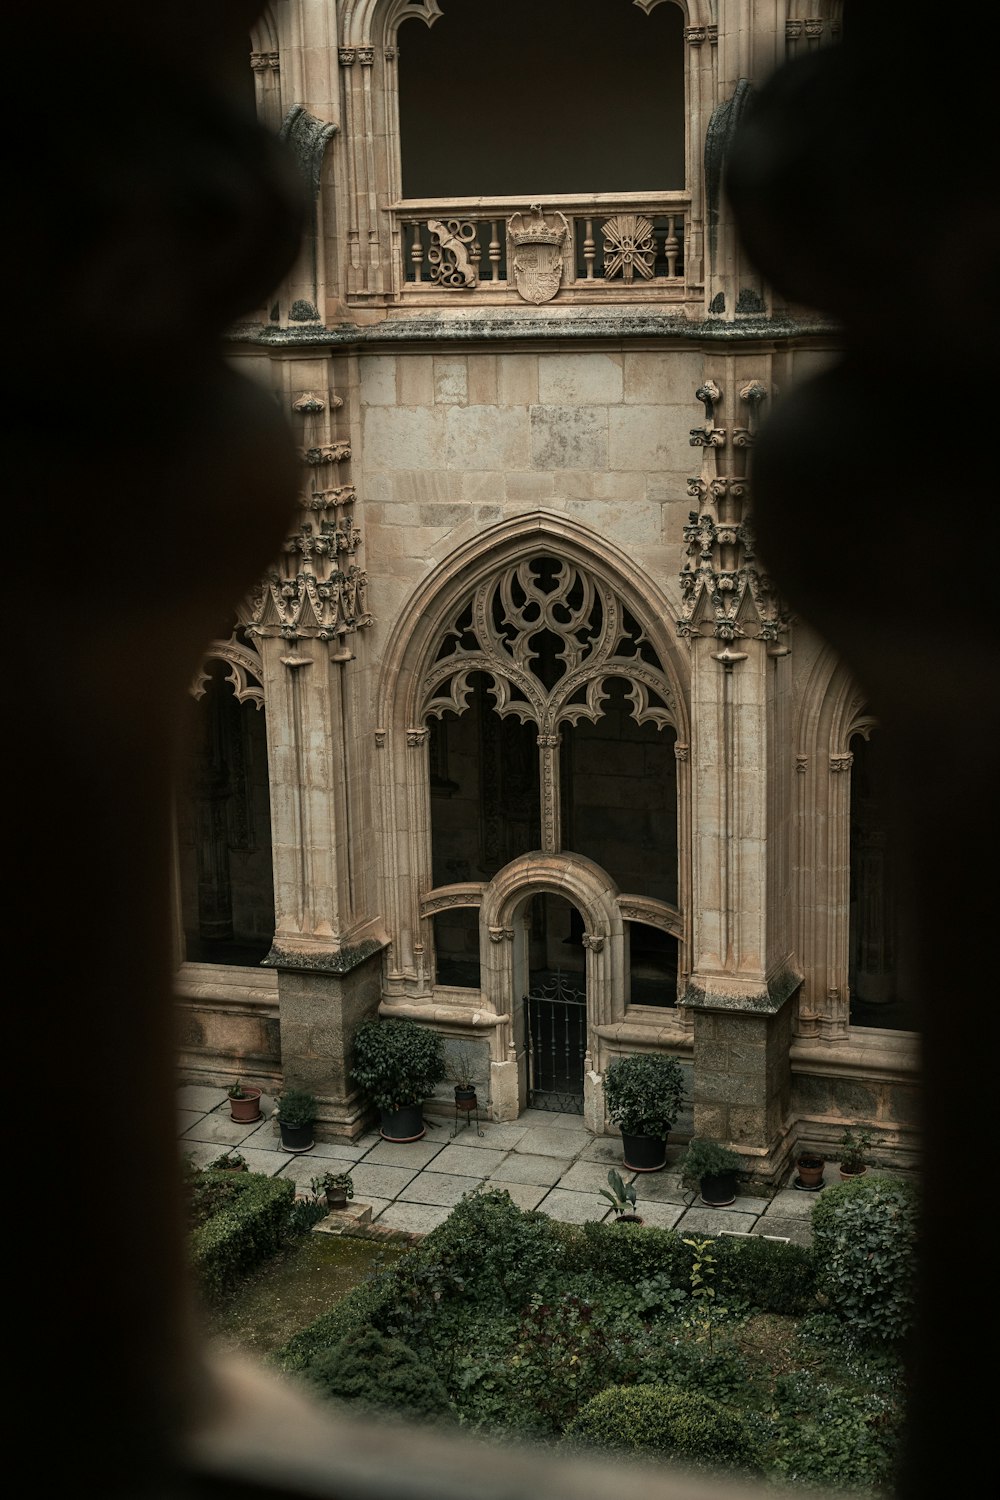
x,y
377,1373
765,1274
644,1093
502,1253
630,1258
240,1219
397,1062
864,1238
824,1436
359,1309
667,1420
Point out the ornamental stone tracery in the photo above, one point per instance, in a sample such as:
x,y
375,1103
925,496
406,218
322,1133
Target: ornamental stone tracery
x,y
549,634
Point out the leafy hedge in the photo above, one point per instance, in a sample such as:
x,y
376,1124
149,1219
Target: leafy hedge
x,y
667,1420
380,1374
864,1240
239,1219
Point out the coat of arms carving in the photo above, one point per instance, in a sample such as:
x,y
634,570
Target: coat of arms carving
x,y
537,260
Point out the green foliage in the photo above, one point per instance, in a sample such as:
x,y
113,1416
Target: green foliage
x,y
825,1436
239,1219
397,1062
864,1237
854,1148
296,1107
709,1159
619,1195
706,1311
765,1274
643,1093
343,1180
362,1307
667,1420
378,1374
502,1253
235,1090
229,1161
630,1258
563,1355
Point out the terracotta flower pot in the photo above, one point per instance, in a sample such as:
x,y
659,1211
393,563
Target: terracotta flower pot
x,y
810,1171
247,1109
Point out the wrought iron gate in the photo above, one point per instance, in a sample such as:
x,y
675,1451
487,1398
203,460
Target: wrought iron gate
x,y
555,1014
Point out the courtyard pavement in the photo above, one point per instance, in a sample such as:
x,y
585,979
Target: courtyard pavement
x,y
550,1162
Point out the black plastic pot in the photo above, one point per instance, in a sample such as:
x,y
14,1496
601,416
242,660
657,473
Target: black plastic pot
x,y
644,1153
296,1138
718,1189
403,1124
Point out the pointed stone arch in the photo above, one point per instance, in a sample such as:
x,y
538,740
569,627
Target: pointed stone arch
x,y
627,606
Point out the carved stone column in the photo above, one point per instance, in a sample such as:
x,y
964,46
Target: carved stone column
x,y
743,972
306,615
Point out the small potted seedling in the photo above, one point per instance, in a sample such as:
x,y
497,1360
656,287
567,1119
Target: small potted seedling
x,y
854,1148
621,1196
244,1102
336,1187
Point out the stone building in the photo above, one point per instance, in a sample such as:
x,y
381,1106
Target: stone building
x,y
516,737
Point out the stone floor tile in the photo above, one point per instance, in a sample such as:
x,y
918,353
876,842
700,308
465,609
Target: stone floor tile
x,y
589,1176
200,1097
544,1171
382,1182
526,1195
662,1187
440,1188
572,1208
219,1128
793,1203
660,1215
495,1137
799,1231
415,1154
347,1150
342,1220
465,1163
604,1148
415,1218
550,1141
703,1221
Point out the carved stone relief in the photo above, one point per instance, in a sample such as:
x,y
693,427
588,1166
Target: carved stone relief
x,y
538,245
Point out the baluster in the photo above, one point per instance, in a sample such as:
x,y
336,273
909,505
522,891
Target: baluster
x,y
589,249
416,251
671,247
495,249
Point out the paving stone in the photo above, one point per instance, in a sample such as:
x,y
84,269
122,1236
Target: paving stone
x,y
439,1188
572,1208
495,1137
545,1119
343,1220
589,1176
605,1148
416,1218
660,1215
199,1097
545,1171
799,1231
526,1195
539,1141
661,1187
348,1150
415,1154
218,1128
704,1221
459,1159
382,1182
794,1205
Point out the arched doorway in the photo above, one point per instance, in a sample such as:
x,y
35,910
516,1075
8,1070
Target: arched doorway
x,y
555,1004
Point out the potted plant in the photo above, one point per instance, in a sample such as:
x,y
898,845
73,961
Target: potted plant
x,y
460,1071
715,1168
337,1187
398,1063
643,1094
295,1111
854,1148
244,1102
229,1161
809,1166
621,1196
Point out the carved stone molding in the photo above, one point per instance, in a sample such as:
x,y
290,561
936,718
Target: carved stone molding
x,y
261,62
366,56
501,934
681,752
245,675
801,764
416,737
537,253
793,30
695,35
309,405
380,739
843,762
346,56
595,942
449,254
325,453
720,577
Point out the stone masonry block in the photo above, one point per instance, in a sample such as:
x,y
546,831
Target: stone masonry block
x,y
451,380
569,437
378,379
579,379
